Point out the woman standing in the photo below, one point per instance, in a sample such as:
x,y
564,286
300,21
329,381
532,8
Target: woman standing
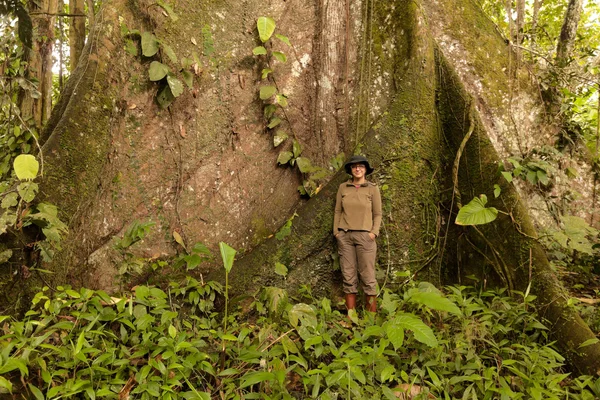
x,y
355,226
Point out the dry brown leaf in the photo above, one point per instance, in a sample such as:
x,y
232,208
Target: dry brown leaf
x,y
124,393
182,131
131,107
407,392
588,301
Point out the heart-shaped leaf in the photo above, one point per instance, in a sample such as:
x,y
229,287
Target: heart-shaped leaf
x,y
475,213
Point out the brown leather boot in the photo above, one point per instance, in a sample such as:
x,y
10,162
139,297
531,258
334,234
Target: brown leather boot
x,y
371,303
350,301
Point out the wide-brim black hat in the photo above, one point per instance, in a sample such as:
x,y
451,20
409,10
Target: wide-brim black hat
x,y
358,160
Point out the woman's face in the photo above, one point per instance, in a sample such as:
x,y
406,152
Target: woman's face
x,y
358,170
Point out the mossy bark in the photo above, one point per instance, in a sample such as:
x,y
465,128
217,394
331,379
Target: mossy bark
x,y
413,145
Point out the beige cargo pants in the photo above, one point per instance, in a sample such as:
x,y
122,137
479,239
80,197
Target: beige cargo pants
x,y
357,259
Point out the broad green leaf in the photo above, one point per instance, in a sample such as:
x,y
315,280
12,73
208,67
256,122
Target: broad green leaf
x,y
274,122
165,97
266,27
435,301
265,72
304,165
259,50
227,255
542,177
178,239
296,148
303,313
422,332
266,92
281,269
253,378
36,392
26,167
175,85
157,71
276,299
269,111
149,44
475,213
395,334
532,177
280,56
188,78
284,157
172,331
27,191
11,200
281,100
497,191
507,175
5,383
279,138
284,39
169,52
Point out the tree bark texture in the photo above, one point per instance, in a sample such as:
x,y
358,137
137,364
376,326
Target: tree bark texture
x,y
76,32
568,32
206,167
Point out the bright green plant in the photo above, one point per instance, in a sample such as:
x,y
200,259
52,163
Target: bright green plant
x,y
162,71
275,104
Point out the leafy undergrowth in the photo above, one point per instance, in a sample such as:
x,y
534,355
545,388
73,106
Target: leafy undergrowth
x,y
171,344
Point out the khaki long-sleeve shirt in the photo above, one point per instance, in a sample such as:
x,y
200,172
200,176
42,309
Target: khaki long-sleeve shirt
x,y
358,208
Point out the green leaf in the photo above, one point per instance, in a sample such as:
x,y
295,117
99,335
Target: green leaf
x,y
157,71
5,383
395,333
280,56
281,269
149,44
165,97
172,331
274,122
4,257
542,177
475,213
279,138
11,199
532,177
435,301
269,111
175,85
228,255
27,191
296,148
36,392
253,378
266,92
265,72
589,342
507,175
259,50
281,99
80,341
266,27
283,158
276,299
26,167
304,165
169,52
188,78
284,39
497,191
302,313
422,332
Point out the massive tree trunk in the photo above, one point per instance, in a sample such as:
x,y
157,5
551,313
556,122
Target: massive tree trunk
x,y
207,169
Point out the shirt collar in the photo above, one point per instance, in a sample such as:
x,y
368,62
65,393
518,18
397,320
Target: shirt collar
x,y
365,184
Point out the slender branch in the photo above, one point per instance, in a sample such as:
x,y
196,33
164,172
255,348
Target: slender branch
x,y
57,14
